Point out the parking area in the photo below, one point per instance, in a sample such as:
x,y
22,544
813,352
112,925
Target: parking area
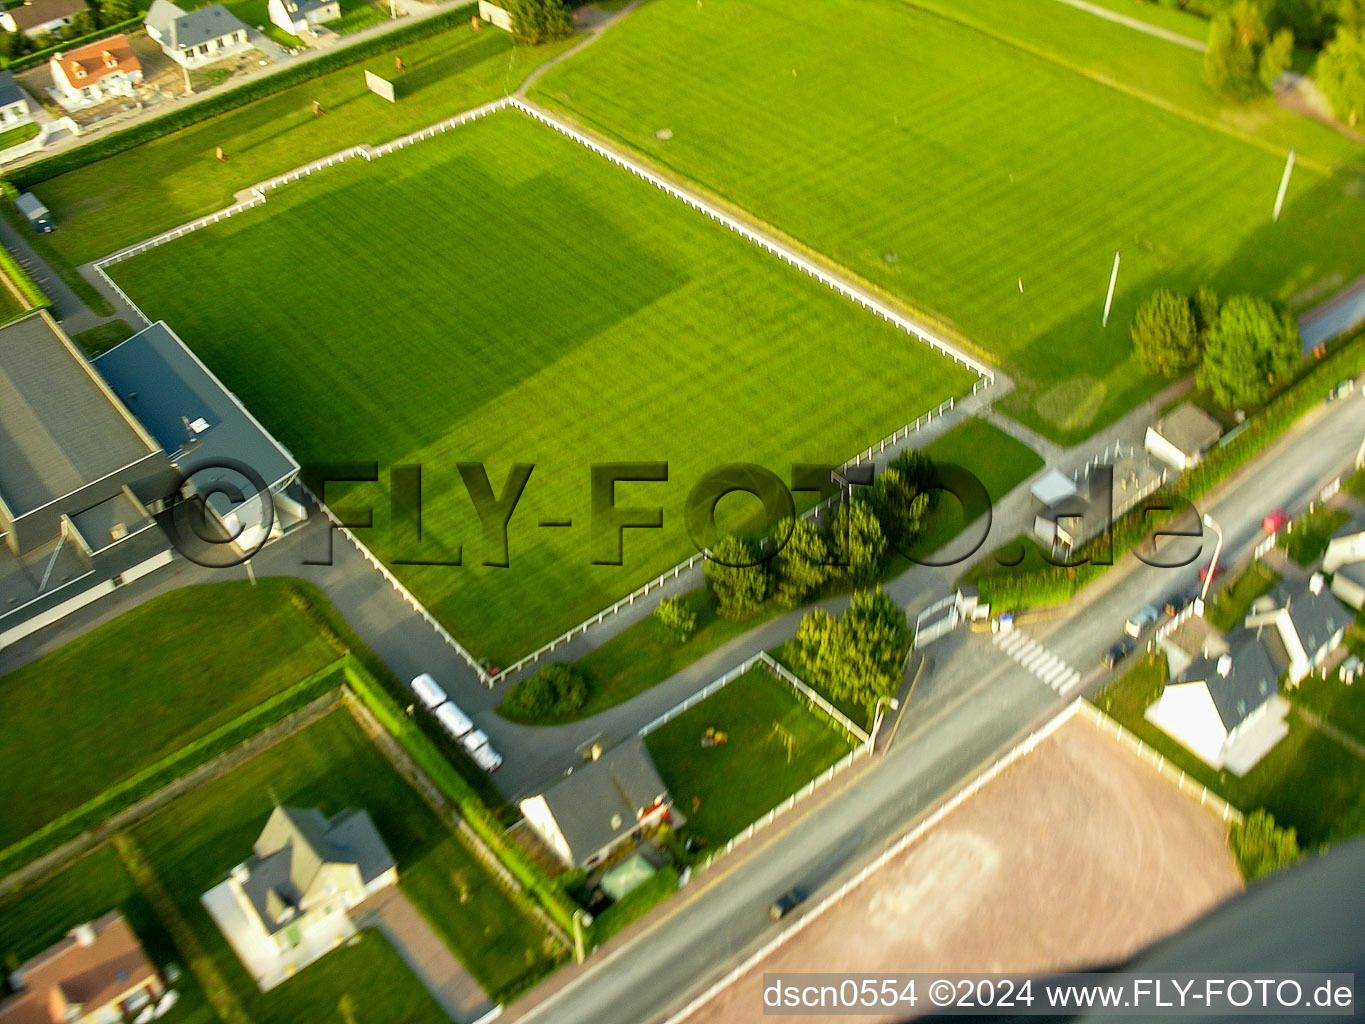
x,y
1078,855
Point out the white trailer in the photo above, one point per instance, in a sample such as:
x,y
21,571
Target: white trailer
x,y
431,695
453,720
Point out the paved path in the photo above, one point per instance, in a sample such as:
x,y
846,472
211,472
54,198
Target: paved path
x,y
1333,318
75,316
1137,25
453,987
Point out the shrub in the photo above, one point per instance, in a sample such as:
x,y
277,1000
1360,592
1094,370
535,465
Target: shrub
x,y
1261,846
737,578
555,691
539,21
675,621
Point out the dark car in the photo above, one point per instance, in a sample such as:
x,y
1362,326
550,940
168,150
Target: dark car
x,y
1118,652
1180,600
786,903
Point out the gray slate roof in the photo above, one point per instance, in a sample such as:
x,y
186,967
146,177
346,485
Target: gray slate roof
x,y
60,429
167,387
1316,617
40,12
1252,680
1190,429
10,91
181,29
303,7
618,785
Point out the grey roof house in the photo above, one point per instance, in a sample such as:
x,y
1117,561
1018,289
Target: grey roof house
x,y
600,806
15,109
1182,436
34,17
1308,625
195,38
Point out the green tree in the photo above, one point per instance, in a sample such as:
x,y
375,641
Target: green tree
x,y
1166,334
83,23
804,564
899,505
858,657
674,620
1311,21
1351,15
1230,64
1341,74
554,691
859,540
1204,306
1260,846
740,586
539,21
1253,346
112,12
1275,58
12,44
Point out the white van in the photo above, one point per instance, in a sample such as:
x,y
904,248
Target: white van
x,y
453,720
474,740
487,758
428,692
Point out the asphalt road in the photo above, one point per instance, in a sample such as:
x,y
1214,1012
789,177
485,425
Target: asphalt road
x,y
973,703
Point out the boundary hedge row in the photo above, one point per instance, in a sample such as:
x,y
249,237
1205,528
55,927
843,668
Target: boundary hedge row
x,y
122,795
111,145
1055,584
17,276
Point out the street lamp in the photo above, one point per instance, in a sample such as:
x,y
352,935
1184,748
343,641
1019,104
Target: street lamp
x,y
1213,565
580,915
877,720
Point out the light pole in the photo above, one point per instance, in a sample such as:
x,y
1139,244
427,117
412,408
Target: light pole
x,y
1213,565
877,720
580,915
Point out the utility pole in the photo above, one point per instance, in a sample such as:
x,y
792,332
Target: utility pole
x,y
1109,299
1284,186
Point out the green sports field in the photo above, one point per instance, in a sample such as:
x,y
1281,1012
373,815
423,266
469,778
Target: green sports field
x,y
946,165
500,294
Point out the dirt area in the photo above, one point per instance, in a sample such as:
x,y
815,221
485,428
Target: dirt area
x,y
1077,855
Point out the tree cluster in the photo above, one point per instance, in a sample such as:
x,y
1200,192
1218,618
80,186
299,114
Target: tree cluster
x,y
674,621
539,21
857,657
1340,70
557,690
103,14
1260,846
1244,57
1239,350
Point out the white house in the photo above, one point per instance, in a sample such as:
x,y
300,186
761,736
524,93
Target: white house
x,y
1226,709
1343,549
1348,583
15,109
34,17
198,37
601,805
1307,626
1181,437
300,17
93,74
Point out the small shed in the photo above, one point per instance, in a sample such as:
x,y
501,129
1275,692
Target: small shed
x,y
1181,437
627,876
1053,488
32,208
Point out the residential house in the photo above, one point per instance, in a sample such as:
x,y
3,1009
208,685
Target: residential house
x,y
599,806
1348,584
300,17
96,975
1346,547
1182,437
1306,627
195,38
34,17
95,73
1226,707
15,109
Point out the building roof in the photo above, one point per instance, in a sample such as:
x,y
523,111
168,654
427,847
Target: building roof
x,y
296,844
181,29
195,419
61,427
1053,487
10,91
33,13
304,7
1190,429
100,58
1249,681
1352,571
1316,617
602,801
87,973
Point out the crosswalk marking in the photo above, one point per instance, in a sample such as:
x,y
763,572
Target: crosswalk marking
x,y
1037,659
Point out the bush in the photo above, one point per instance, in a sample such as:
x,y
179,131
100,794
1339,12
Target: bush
x,y
674,621
556,691
1261,846
1166,334
539,21
737,578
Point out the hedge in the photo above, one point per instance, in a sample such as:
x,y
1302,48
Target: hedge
x,y
32,60
439,769
1055,584
122,795
9,266
111,145
634,904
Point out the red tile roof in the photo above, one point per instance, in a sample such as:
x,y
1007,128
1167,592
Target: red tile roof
x,y
100,58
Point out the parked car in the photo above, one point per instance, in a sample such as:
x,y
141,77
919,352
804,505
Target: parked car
x,y
1146,617
786,903
1342,389
1180,600
35,212
1118,652
1275,522
1204,573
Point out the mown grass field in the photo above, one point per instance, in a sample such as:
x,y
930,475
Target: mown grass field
x,y
722,789
945,163
168,181
126,695
193,843
500,294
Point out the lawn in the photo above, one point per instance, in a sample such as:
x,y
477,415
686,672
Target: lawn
x,y
41,914
1307,537
1308,780
173,179
101,339
722,789
501,294
945,166
119,698
1230,605
332,765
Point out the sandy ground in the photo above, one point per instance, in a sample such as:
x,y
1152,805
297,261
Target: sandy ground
x,y
1078,855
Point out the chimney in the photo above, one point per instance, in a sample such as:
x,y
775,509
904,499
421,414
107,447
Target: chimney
x,y
1224,665
84,934
1315,583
